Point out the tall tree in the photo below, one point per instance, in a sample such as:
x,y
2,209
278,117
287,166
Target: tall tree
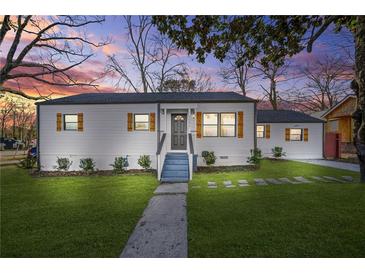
x,y
270,39
236,76
327,80
7,106
150,55
44,49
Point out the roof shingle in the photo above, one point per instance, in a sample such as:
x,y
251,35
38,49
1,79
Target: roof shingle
x,y
285,116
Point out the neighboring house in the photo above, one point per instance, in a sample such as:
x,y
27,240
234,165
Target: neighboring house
x,y
300,135
339,129
172,128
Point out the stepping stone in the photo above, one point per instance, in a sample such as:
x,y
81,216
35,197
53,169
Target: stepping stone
x,y
318,178
273,181
333,179
212,185
260,182
302,180
286,181
348,178
243,183
228,184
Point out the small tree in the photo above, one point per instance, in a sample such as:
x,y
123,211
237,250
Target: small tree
x,y
209,157
145,161
87,164
255,156
277,152
120,164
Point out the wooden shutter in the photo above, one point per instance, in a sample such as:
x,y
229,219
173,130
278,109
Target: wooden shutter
x,y
287,134
130,121
59,121
152,121
305,135
240,124
267,131
198,125
80,122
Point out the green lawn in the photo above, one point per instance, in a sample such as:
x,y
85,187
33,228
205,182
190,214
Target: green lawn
x,y
70,216
308,220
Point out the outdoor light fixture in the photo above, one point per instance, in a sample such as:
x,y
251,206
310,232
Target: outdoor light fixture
x,y
162,111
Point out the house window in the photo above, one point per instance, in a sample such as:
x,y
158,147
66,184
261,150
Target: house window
x,y
141,122
210,125
296,134
70,121
260,131
228,124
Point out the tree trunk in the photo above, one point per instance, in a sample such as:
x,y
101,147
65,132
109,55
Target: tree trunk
x,y
273,96
359,88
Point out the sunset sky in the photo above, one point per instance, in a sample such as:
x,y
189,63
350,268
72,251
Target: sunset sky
x,y
114,28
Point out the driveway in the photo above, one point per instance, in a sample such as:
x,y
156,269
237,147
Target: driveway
x,y
334,164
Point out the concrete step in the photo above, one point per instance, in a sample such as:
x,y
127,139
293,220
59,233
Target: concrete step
x,y
176,167
175,173
174,180
176,162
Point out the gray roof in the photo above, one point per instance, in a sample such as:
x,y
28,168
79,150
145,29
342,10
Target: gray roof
x,y
140,98
285,116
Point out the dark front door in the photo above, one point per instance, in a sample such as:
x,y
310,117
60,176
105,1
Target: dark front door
x,y
178,131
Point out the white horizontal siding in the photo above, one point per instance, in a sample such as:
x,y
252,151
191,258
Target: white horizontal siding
x,y
312,149
105,135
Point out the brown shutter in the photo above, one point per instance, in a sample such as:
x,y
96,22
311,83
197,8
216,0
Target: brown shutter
x,y
267,131
287,134
59,121
80,122
130,121
240,124
152,121
305,135
198,125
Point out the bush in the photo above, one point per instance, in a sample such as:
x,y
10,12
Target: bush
x,y
209,157
63,164
120,164
278,152
145,161
255,156
28,162
87,164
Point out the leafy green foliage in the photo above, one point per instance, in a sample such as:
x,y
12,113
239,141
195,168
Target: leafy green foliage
x,y
277,152
87,164
120,164
63,164
28,163
255,156
145,161
209,157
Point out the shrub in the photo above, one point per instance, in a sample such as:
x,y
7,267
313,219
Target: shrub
x,y
278,152
87,164
145,161
209,157
120,164
63,164
255,156
28,162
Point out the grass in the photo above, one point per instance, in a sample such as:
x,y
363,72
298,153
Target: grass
x,y
70,216
307,220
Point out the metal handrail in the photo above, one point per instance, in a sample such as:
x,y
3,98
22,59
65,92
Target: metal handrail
x,y
191,146
160,145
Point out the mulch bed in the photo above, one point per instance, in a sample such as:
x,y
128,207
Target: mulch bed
x,y
36,173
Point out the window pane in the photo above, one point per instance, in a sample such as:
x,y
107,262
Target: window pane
x,y
210,119
210,131
295,131
70,126
295,134
227,131
260,128
260,134
141,126
228,118
71,118
141,118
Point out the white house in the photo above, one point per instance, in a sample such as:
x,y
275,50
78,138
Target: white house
x,y
172,128
300,135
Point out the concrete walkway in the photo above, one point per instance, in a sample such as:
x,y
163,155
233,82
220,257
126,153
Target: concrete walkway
x,y
162,230
335,164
